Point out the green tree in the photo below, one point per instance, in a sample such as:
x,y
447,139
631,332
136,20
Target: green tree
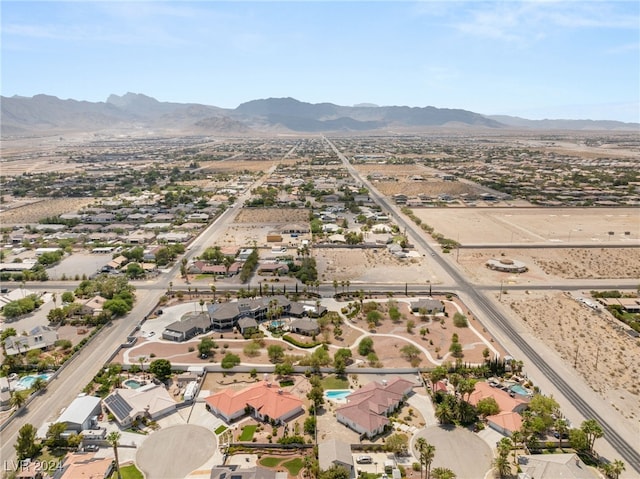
x,y
487,407
373,318
205,347
161,369
578,440
275,353
26,446
8,333
39,385
442,473
365,346
230,360
117,307
113,439
593,431
397,443
502,465
252,349
17,400
410,325
334,472
310,425
284,369
54,437
411,353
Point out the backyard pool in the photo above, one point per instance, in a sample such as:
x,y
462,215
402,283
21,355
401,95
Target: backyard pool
x,y
516,388
26,382
132,383
337,394
277,324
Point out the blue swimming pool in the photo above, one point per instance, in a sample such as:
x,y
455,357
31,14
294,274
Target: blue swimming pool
x,y
516,388
337,393
132,383
26,382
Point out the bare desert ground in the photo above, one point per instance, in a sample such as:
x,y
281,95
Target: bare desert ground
x,y
272,215
520,226
33,211
358,265
546,264
607,357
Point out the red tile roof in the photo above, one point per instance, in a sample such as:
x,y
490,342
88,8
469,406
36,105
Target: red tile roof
x,y
265,399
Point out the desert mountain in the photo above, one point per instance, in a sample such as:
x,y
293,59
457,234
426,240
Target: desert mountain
x,y
42,113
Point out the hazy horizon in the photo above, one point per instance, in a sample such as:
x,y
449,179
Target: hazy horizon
x,y
532,59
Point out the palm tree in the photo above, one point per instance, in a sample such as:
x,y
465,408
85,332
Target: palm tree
x,y
420,443
113,438
141,360
335,285
39,385
561,428
18,398
443,473
429,452
501,464
213,291
517,437
617,467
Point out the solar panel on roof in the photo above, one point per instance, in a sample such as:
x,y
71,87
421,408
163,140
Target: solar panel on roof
x,y
118,406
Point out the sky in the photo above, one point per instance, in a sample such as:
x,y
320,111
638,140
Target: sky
x,y
535,59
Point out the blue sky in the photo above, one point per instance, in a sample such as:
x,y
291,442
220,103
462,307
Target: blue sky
x,y
536,59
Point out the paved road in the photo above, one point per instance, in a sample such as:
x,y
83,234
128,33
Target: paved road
x,y
625,442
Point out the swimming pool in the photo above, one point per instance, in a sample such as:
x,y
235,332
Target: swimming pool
x,y
516,388
337,393
26,382
276,324
132,384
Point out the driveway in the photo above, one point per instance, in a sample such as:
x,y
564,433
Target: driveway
x,y
174,452
458,449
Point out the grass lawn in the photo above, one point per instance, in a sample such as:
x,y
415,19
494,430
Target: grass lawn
x,y
220,429
294,466
128,472
247,433
332,382
270,461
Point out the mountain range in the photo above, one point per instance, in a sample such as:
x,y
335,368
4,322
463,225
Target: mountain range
x,y
42,113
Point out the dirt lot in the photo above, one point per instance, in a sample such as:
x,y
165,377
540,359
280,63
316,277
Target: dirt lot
x,y
608,358
546,264
367,265
34,211
515,226
280,216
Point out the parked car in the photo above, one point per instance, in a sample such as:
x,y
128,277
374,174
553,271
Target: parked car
x,y
364,460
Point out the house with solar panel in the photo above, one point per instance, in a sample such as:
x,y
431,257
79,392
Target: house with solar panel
x,y
150,401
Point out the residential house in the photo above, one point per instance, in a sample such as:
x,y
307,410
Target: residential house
x,y
367,409
553,466
261,400
508,419
247,326
186,328
335,453
128,405
5,394
92,307
273,269
308,327
81,464
40,337
431,306
82,413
